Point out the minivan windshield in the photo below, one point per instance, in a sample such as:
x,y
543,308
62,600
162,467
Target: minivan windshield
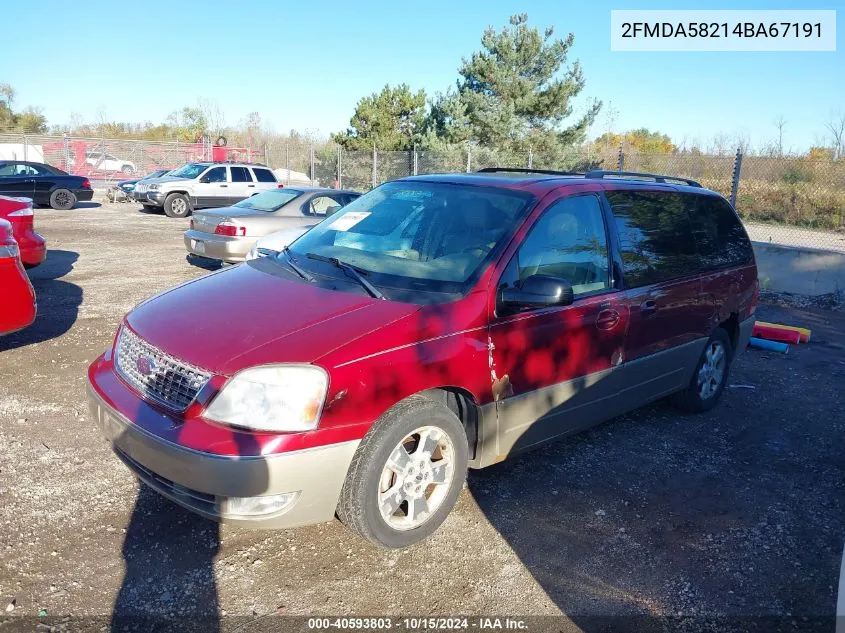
x,y
191,170
418,235
269,201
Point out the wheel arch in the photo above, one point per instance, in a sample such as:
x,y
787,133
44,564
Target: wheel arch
x,y
464,405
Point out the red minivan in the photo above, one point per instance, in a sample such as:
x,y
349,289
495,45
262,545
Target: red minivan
x,y
434,324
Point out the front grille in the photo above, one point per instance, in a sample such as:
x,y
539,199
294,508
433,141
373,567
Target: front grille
x,y
140,188
155,374
193,498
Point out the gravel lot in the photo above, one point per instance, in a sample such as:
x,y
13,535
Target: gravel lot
x,y
736,513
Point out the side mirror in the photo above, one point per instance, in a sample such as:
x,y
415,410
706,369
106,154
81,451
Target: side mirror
x,y
538,291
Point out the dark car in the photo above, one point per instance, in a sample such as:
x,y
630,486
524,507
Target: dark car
x,y
436,322
128,186
45,184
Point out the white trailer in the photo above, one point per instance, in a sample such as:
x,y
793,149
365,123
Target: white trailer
x,y
20,151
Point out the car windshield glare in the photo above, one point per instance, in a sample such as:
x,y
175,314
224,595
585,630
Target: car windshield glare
x,y
269,201
421,234
191,170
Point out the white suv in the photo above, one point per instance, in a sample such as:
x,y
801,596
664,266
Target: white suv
x,y
103,161
201,185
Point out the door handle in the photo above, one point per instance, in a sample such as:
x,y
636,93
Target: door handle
x,y
251,186
648,307
607,319
224,185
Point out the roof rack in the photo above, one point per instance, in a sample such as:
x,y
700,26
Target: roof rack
x,y
602,173
594,173
528,170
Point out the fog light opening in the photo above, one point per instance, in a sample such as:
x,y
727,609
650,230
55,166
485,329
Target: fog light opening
x,y
256,506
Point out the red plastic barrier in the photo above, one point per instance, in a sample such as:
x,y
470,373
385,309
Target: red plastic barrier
x,y
776,334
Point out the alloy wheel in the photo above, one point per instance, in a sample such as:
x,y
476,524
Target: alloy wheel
x,y
712,370
416,478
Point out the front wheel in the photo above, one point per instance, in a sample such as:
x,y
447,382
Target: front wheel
x,y
406,474
177,205
62,199
710,377
127,169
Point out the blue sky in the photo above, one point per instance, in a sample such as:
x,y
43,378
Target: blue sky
x,y
304,65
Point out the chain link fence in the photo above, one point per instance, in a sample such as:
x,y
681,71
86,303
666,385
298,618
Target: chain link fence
x,y
791,201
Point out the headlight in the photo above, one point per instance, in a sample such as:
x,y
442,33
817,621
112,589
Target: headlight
x,y
152,187
272,398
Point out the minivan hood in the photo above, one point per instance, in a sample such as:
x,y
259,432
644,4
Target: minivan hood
x,y
245,316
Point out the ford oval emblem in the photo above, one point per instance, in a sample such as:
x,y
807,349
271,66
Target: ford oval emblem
x,y
145,365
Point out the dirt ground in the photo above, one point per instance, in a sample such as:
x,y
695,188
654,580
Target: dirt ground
x,y
737,513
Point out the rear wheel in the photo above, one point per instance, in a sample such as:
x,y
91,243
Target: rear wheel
x,y
177,205
127,169
406,474
62,199
710,377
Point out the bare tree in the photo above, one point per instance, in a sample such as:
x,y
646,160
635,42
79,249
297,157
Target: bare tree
x,y
836,126
780,123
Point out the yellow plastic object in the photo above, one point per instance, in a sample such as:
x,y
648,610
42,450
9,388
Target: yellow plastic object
x,y
805,333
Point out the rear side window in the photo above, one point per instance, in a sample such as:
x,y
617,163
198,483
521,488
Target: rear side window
x,y
240,174
263,175
655,236
721,239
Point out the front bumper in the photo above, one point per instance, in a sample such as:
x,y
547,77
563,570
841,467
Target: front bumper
x,y
223,247
202,482
155,198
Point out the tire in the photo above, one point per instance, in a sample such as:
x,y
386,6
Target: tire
x,y
706,385
127,169
177,205
62,199
370,476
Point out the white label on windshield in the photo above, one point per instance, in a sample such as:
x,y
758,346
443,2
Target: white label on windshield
x,y
348,220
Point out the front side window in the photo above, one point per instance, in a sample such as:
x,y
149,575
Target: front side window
x,y
321,205
215,174
240,174
419,235
655,236
568,242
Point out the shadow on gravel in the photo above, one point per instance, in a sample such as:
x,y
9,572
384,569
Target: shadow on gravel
x,y
58,301
204,263
169,581
732,518
87,205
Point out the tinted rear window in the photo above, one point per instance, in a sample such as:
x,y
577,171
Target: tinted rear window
x,y
721,238
240,174
263,175
655,236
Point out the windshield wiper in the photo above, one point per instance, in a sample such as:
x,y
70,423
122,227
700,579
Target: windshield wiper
x,y
350,270
290,262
